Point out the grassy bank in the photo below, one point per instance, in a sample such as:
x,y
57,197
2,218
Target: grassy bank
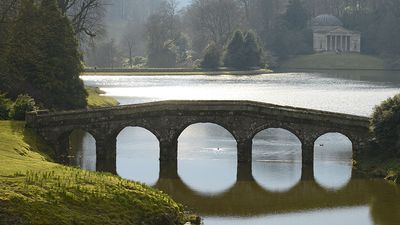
x,y
333,61
34,190
96,100
170,72
376,164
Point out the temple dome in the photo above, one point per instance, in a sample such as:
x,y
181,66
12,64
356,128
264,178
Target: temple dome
x,y
326,20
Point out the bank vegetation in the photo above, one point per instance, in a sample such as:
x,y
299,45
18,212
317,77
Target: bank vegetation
x,y
35,190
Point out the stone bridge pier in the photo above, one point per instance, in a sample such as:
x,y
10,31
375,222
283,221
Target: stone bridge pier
x,y
167,120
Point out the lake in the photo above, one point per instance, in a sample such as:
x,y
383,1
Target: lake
x,y
275,193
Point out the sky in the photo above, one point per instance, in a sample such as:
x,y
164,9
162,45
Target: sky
x,y
184,3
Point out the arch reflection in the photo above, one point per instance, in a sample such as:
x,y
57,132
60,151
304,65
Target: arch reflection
x,y
276,159
82,150
333,160
138,155
207,158
248,198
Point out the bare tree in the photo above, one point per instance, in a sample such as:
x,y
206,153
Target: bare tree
x,y
212,21
86,16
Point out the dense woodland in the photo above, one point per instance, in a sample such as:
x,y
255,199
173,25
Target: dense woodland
x,y
45,44
165,33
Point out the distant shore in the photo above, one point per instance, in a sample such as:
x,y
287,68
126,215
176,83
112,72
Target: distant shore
x,y
334,61
170,72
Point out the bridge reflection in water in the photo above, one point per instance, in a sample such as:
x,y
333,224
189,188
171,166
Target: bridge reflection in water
x,y
249,198
246,198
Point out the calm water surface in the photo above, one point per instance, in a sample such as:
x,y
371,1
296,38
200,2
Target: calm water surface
x,y
275,193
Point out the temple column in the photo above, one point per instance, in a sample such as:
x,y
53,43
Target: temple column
x,y
169,158
106,154
334,43
244,167
307,168
348,44
344,43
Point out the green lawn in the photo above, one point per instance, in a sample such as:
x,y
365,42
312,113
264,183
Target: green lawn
x,y
34,190
332,61
96,100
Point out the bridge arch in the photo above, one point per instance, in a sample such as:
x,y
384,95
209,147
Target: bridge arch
x,y
82,149
343,133
138,150
117,131
63,140
207,148
221,124
282,126
273,148
333,154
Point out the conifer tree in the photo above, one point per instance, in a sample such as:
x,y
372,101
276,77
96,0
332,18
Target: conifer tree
x,y
252,50
44,55
234,55
63,65
22,55
212,57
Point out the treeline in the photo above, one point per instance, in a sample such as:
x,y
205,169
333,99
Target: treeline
x,y
39,52
167,36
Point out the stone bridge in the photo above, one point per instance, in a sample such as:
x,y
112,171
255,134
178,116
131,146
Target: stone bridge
x,y
168,119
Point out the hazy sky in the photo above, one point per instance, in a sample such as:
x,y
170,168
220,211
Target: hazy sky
x,y
183,3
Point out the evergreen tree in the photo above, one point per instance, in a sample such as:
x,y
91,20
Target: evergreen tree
x,y
212,57
252,50
48,61
290,34
296,15
22,54
234,56
161,58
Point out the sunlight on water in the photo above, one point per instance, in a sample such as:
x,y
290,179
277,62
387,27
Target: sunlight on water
x,y
207,158
333,160
276,159
294,89
137,155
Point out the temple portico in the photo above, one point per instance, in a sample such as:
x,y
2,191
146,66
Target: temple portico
x,y
329,35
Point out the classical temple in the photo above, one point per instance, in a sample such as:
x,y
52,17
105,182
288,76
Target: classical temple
x,y
331,36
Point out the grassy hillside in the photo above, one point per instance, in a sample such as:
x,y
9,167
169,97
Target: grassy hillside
x,y
95,99
34,190
334,61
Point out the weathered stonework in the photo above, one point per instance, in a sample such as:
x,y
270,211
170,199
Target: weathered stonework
x,y
168,119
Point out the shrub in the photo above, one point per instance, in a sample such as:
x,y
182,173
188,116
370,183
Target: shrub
x,y
211,58
23,104
5,105
385,125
